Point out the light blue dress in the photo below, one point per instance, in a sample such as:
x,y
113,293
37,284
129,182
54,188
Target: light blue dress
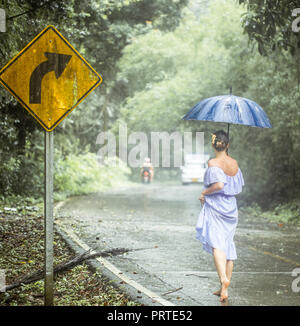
x,y
218,218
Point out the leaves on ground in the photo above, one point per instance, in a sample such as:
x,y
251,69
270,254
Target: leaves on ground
x,y
22,252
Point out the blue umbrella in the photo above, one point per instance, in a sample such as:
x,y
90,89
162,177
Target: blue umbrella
x,y
229,109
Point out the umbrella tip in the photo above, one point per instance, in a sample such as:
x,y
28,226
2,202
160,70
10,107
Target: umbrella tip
x,y
230,90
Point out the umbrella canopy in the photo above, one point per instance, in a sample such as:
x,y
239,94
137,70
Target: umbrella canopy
x,y
229,109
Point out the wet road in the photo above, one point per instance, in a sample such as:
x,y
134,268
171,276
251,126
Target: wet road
x,y
160,219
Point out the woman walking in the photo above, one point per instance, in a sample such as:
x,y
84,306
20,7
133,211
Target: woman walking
x,y
218,218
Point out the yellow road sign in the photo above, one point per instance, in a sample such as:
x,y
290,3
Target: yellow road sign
x,y
49,78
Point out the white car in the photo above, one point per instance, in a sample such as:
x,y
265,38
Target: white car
x,y
194,168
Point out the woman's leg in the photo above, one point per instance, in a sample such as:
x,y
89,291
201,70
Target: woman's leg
x,y
222,268
229,269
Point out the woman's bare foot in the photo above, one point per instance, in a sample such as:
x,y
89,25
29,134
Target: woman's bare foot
x,y
224,290
217,293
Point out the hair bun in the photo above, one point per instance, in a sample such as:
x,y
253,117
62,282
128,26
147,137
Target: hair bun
x,y
220,140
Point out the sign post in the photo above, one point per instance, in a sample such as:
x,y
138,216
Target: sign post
x,y
49,78
48,218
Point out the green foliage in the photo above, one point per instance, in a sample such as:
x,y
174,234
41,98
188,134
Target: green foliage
x,y
285,213
82,174
282,213
166,74
277,88
99,30
7,171
269,24
157,62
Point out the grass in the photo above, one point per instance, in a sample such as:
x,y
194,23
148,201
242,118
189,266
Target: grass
x,y
288,213
22,253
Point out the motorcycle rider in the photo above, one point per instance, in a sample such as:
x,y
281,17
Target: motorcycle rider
x,y
147,166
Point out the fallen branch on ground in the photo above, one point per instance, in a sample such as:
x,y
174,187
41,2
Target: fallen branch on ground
x,y
172,291
76,260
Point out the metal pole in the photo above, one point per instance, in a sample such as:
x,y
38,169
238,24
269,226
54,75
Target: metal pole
x,y
48,219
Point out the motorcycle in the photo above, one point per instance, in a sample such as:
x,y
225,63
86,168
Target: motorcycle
x,y
146,176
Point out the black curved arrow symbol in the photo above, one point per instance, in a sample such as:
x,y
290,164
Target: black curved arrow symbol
x,y
56,62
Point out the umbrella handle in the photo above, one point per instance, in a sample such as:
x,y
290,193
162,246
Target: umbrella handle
x,y
228,137
230,90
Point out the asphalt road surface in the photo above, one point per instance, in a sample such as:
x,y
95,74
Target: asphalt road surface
x,y
160,220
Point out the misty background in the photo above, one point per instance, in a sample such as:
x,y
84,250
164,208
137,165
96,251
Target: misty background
x,y
157,60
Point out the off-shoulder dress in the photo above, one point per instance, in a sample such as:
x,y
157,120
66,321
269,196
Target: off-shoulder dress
x,y
218,218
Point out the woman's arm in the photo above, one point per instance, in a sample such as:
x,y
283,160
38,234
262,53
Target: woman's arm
x,y
211,189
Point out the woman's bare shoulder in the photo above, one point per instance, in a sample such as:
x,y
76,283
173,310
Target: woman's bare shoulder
x,y
233,162
229,167
213,162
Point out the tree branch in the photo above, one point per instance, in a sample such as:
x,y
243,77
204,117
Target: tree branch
x,y
75,260
28,11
